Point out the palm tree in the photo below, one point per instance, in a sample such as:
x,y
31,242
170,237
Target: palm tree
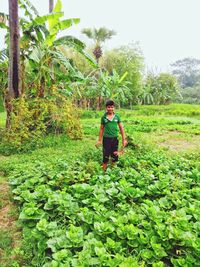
x,y
98,36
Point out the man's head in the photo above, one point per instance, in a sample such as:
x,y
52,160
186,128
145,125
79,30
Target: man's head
x,y
110,105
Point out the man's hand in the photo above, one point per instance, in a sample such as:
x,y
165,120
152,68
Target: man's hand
x,y
124,142
98,143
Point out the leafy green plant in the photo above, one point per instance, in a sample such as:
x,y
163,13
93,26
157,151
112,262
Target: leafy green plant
x,y
135,215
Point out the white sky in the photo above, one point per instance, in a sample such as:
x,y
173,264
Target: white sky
x,y
167,30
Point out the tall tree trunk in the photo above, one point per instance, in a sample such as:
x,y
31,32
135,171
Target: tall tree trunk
x,y
51,6
99,103
14,49
13,76
42,87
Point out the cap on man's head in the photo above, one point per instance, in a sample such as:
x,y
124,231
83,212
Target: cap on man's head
x,y
110,103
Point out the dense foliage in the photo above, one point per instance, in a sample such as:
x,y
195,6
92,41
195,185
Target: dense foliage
x,y
41,107
48,61
144,214
38,117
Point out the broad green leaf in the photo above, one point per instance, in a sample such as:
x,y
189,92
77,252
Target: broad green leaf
x,y
158,264
129,262
123,77
146,254
3,26
89,58
53,21
37,54
179,262
159,250
75,234
3,55
100,251
50,39
58,6
31,213
41,20
62,25
70,41
63,60
25,4
61,255
39,36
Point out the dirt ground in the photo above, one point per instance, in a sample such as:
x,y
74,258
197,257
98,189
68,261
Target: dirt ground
x,y
177,141
9,231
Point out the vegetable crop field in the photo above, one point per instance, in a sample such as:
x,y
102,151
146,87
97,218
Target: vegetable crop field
x,y
143,212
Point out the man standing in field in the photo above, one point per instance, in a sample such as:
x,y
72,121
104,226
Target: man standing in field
x,y
110,125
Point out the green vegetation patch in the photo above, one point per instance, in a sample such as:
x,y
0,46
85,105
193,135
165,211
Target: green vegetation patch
x,y
142,213
2,119
5,239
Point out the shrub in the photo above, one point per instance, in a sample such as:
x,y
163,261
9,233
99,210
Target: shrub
x,y
34,118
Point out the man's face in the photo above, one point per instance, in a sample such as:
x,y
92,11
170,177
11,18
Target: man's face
x,y
110,109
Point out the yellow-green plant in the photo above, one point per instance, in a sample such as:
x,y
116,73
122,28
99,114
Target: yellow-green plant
x,y
37,117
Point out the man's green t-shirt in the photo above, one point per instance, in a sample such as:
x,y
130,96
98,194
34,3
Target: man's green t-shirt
x,y
110,126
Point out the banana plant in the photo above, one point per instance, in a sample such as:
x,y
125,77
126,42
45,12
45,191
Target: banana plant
x,y
146,96
44,29
39,45
112,86
53,45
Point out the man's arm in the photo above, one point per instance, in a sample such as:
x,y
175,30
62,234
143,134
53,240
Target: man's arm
x,y
124,142
100,134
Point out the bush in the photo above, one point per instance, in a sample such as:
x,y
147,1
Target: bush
x,y
35,118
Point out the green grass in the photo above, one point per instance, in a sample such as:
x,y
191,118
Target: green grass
x,y
9,230
1,105
9,256
183,110
2,119
147,128
5,239
186,110
155,129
